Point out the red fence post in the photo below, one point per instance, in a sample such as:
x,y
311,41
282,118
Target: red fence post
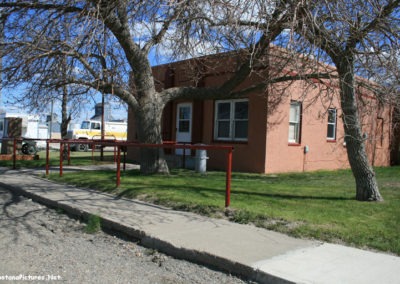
x,y
119,166
61,158
124,163
115,154
184,157
14,153
228,178
93,147
47,157
69,154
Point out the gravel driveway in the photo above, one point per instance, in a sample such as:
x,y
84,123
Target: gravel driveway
x,y
38,243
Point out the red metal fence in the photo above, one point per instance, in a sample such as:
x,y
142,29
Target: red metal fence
x,y
123,146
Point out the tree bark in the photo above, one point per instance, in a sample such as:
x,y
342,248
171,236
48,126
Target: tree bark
x,y
395,139
366,184
65,118
148,124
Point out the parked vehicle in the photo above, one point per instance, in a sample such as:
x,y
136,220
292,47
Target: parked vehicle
x,y
16,124
29,147
91,130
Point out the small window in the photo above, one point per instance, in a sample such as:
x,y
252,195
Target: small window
x,y
231,120
95,125
331,130
184,119
85,125
1,126
294,122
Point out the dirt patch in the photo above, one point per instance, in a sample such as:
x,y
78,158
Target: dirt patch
x,y
42,242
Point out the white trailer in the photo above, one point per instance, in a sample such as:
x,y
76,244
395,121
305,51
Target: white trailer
x,y
22,125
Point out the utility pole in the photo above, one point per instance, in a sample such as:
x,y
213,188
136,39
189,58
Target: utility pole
x,y
51,119
102,95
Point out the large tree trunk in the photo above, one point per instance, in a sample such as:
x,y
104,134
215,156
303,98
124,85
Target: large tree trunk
x,y
366,184
395,139
65,118
148,124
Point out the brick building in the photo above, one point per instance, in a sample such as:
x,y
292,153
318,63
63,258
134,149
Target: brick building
x,y
298,129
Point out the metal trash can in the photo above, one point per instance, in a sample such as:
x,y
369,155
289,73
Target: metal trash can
x,y
201,161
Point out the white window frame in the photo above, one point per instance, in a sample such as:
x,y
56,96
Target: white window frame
x,y
296,122
231,120
334,123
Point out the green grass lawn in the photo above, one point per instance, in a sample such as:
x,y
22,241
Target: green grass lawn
x,y
318,205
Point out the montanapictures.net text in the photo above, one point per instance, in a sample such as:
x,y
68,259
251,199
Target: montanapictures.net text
x,y
22,277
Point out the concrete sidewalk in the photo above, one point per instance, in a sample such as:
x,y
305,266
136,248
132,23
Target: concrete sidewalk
x,y
254,253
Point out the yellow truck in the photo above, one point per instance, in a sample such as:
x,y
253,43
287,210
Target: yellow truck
x,y
91,130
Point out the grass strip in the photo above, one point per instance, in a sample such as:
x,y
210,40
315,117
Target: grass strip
x,y
318,205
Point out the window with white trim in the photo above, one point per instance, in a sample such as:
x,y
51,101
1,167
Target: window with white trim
x,y
331,130
294,122
231,120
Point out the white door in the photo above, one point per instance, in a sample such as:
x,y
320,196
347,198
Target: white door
x,y
183,125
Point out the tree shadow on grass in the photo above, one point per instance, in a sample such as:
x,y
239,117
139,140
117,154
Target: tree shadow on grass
x,y
202,191
137,187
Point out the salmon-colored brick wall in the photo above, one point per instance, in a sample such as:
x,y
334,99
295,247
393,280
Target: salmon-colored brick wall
x,y
267,149
283,156
247,156
323,154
